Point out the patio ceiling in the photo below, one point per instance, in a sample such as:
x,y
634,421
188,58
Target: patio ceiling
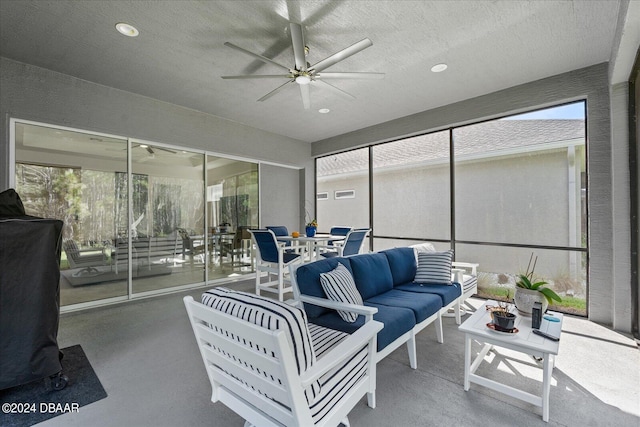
x,y
179,56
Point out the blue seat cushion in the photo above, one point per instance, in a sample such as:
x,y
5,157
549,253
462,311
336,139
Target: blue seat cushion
x,y
447,293
397,321
287,257
372,274
308,279
402,262
423,305
329,254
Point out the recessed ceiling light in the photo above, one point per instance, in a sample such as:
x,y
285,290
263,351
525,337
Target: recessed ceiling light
x,y
127,30
143,146
438,68
323,110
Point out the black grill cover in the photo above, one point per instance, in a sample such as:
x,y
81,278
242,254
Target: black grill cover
x,y
29,298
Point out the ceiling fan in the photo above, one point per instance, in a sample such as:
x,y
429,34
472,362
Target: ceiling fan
x,y
303,73
150,150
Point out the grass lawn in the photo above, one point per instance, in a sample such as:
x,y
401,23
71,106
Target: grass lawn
x,y
570,305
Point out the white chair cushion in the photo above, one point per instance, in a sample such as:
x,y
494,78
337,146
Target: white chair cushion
x,y
336,383
469,282
434,267
339,285
273,315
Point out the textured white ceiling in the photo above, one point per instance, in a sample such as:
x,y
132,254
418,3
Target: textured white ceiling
x,y
179,55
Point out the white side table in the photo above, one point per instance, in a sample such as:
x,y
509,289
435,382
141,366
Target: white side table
x,y
525,341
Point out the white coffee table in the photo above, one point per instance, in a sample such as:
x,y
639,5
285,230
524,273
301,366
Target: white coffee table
x,y
525,341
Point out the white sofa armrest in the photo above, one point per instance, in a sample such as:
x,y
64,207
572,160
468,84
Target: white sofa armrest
x,y
470,266
367,312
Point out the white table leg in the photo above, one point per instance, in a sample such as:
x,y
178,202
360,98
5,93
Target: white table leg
x,y
546,386
467,361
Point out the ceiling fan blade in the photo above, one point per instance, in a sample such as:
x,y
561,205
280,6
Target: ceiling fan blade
x,y
259,76
255,55
306,98
343,54
341,75
276,90
297,41
167,150
149,150
335,89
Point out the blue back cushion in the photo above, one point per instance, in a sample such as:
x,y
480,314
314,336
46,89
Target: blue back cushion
x,y
279,230
308,279
371,273
339,231
267,245
403,264
353,243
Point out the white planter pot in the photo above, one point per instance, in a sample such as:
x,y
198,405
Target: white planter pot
x,y
524,299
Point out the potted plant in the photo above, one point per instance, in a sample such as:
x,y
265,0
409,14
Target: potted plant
x,y
529,291
311,228
502,317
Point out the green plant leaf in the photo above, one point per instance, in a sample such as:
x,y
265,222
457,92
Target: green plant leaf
x,y
550,295
524,282
537,285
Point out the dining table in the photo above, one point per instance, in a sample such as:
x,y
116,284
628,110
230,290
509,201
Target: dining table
x,y
311,243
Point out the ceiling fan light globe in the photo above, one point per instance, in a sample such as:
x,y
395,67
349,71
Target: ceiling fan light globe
x,y
303,79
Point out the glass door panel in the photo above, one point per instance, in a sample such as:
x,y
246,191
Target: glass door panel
x,y
72,176
232,209
168,238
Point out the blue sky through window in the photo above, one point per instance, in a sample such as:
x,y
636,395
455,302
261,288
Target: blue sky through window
x,y
570,111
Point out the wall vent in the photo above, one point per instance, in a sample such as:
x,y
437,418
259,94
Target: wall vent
x,y
345,194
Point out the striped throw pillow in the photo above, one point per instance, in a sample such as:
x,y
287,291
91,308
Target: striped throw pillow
x,y
434,268
339,285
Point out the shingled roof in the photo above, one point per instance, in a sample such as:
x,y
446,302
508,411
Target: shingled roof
x,y
472,140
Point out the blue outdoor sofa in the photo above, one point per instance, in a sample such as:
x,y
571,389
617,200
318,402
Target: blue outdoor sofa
x,y
385,281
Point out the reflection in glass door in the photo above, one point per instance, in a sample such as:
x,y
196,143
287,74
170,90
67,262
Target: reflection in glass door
x,y
232,207
73,176
139,229
168,239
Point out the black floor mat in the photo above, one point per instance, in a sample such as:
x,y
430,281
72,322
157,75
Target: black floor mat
x,y
35,402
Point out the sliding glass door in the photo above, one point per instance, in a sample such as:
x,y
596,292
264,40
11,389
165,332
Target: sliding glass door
x,y
73,176
139,218
232,206
168,238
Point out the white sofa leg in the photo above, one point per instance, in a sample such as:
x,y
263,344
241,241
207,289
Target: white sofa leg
x,y
458,311
411,348
439,333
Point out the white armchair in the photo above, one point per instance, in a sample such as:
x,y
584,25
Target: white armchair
x,y
271,367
